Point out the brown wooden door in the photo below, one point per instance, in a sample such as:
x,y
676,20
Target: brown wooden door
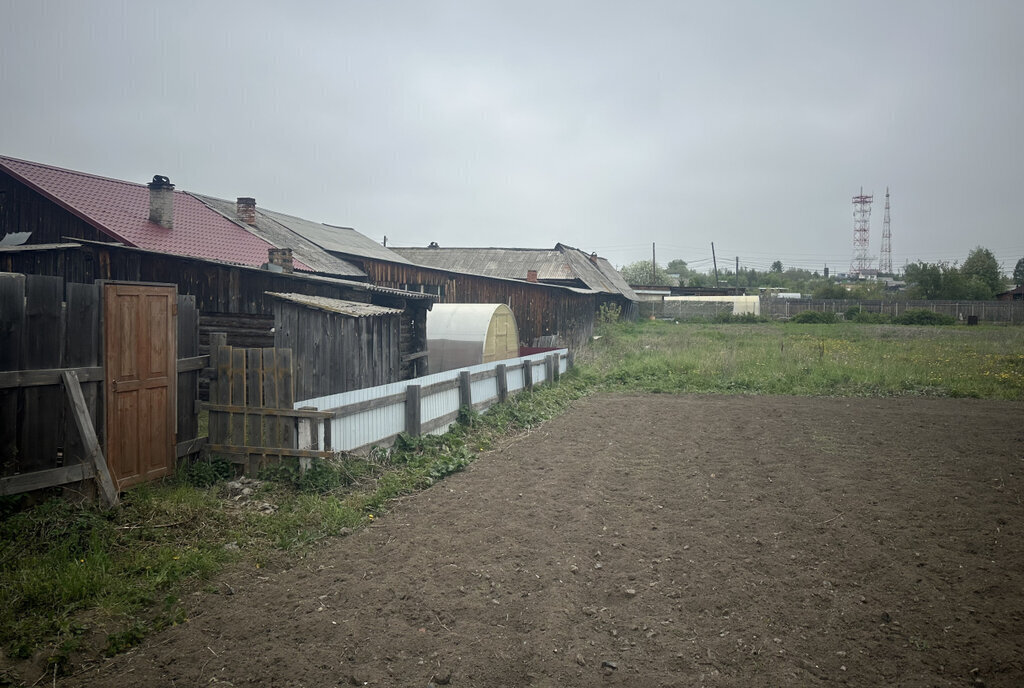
x,y
140,333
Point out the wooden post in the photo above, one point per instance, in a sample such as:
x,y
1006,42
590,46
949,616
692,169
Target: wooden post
x,y
465,389
412,410
502,378
88,435
528,374
309,432
549,369
556,367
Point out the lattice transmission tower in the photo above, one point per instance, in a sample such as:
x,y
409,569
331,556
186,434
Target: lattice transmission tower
x,y
861,232
885,259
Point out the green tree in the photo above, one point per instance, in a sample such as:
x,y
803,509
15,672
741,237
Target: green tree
x,y
776,267
1018,273
830,290
935,281
677,267
981,272
643,273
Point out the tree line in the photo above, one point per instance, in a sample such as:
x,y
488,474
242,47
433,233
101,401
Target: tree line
x,y
977,278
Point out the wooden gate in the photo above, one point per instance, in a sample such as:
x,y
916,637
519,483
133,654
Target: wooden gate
x,y
252,421
140,333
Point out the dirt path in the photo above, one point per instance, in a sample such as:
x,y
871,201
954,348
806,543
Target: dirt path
x,y
658,541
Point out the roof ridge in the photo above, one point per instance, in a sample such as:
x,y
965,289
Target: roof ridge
x,y
77,173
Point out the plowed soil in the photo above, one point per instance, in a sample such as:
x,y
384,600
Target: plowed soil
x,y
657,541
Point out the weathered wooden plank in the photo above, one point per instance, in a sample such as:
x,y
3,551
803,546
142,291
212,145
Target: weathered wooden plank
x,y
254,393
217,425
236,430
368,405
271,427
413,416
556,367
280,413
53,477
440,421
187,418
528,376
42,426
502,379
94,454
465,389
442,386
82,348
191,363
12,322
193,446
270,452
285,394
48,376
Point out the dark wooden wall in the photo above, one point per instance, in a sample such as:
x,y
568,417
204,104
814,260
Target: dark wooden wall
x,y
230,299
334,353
47,323
544,314
24,210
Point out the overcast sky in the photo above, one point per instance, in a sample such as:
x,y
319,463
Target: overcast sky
x,y
603,125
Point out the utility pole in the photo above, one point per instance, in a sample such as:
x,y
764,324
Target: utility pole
x,y
654,266
737,275
714,262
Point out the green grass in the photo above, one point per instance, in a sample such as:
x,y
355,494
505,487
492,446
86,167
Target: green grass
x,y
844,359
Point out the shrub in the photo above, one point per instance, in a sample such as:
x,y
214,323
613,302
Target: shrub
x,y
814,318
923,316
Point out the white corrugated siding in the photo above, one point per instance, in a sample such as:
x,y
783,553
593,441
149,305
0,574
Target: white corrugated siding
x,y
381,424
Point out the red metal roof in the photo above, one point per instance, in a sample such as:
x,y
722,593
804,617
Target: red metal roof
x,y
121,210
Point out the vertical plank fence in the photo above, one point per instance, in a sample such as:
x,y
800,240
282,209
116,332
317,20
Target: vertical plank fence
x,y
252,420
51,385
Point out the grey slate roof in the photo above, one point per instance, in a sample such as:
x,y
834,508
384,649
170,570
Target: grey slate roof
x,y
562,263
354,309
270,229
337,239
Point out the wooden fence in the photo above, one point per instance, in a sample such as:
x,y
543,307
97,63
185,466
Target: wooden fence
x,y
51,384
252,419
986,311
430,404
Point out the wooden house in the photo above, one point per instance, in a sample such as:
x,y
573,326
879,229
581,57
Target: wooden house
x,y
86,228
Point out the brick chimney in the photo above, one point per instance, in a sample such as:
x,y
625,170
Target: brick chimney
x,y
281,257
531,275
161,201
245,210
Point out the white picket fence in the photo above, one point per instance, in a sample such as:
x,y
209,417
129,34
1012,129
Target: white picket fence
x,y
375,416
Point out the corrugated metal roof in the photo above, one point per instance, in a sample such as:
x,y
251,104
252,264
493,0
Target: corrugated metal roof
x,y
350,308
268,228
342,240
562,263
121,210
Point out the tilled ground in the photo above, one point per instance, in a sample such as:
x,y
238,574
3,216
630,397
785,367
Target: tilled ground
x,y
657,541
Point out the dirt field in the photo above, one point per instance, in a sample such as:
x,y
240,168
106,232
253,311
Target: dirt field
x,y
657,541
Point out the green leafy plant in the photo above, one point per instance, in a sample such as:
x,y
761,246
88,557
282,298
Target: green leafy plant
x,y
923,316
813,318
